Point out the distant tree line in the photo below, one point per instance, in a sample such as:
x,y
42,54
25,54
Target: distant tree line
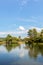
x,y
34,36
11,39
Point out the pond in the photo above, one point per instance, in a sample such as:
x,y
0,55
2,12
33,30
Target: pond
x,y
21,55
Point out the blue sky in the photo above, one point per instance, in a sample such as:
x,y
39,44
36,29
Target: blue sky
x,y
17,16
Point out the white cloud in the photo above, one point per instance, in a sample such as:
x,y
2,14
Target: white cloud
x,y
21,31
37,28
21,28
24,2
3,34
27,20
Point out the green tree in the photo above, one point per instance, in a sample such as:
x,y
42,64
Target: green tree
x,y
30,33
9,39
35,33
41,35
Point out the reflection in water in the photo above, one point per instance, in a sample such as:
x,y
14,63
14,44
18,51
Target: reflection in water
x,y
11,46
21,54
35,50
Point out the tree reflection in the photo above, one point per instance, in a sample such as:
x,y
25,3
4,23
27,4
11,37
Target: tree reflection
x,y
35,50
41,49
11,46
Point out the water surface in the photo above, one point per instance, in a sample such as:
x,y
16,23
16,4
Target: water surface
x,y
21,55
